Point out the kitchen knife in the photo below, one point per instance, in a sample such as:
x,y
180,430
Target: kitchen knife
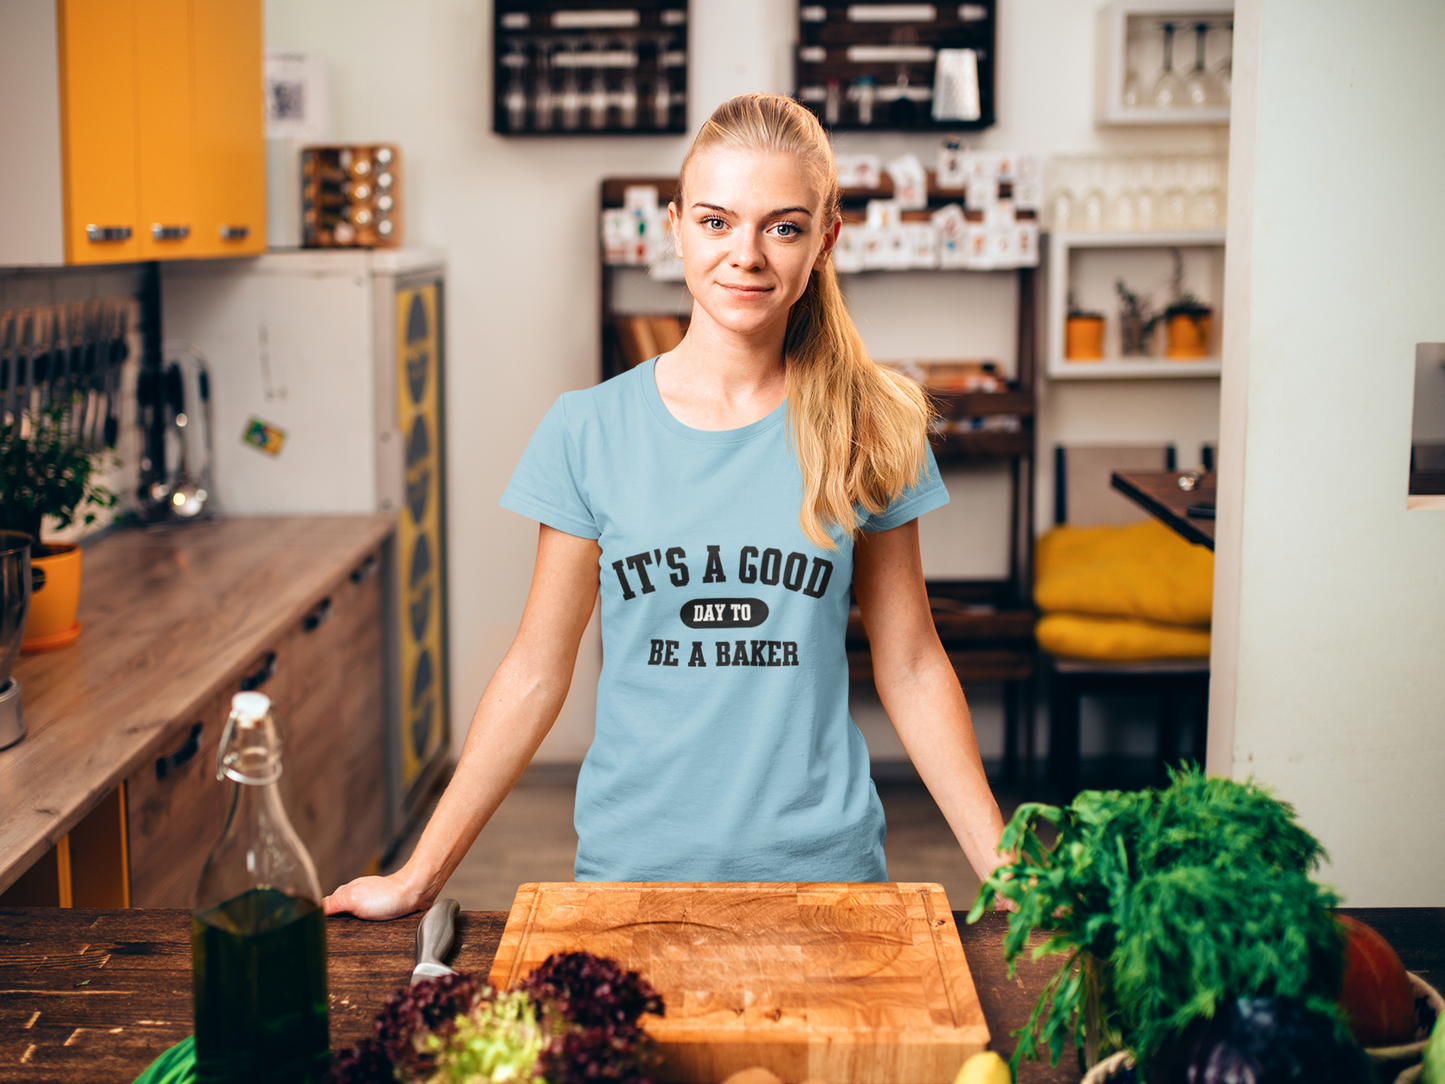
x,y
434,940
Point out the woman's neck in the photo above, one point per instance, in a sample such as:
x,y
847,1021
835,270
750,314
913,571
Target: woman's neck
x,y
716,379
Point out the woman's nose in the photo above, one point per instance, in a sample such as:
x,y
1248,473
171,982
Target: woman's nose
x,y
748,251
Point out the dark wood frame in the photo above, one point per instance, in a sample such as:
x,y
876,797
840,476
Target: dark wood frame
x,y
646,72
947,31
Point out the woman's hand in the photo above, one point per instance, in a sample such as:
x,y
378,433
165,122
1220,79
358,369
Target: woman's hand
x,y
375,898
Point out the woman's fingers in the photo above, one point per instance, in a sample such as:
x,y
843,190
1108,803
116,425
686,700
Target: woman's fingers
x,y
370,898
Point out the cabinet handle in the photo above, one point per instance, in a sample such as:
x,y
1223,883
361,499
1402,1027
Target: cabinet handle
x,y
365,570
100,234
317,617
264,673
169,233
177,760
235,233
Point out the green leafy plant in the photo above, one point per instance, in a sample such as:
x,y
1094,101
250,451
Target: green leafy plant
x,y
46,468
1164,903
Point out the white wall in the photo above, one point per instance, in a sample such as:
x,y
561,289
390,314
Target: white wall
x,y
517,217
1329,594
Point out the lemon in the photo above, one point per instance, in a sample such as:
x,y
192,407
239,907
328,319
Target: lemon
x,y
985,1068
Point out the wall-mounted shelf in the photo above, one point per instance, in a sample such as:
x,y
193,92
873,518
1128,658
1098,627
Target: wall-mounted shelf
x,y
1090,263
877,66
571,67
1129,56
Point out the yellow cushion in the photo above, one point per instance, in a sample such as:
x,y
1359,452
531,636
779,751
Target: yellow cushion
x,y
1141,570
1119,639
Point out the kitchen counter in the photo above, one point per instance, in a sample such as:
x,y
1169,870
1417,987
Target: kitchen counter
x,y
94,996
172,618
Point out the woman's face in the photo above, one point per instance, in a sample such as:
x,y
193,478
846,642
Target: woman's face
x,y
750,232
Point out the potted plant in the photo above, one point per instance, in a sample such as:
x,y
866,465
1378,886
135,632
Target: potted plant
x,y
1083,333
48,469
1167,906
1136,322
1187,320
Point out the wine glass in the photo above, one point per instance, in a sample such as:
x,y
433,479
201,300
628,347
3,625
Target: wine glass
x,y
1207,201
1062,206
1224,70
1168,88
571,92
1091,204
515,100
1174,202
1146,196
1200,87
1121,203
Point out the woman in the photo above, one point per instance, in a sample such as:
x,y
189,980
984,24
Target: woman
x,y
722,498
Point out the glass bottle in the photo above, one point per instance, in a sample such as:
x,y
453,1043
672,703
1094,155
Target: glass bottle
x,y
258,935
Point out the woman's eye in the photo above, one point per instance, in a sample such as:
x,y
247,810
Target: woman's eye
x,y
713,223
786,229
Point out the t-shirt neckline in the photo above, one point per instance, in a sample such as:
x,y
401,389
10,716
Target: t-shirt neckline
x,y
648,377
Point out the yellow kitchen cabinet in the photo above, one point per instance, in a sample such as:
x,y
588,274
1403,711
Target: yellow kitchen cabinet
x,y
136,129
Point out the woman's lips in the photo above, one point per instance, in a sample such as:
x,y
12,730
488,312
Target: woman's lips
x,y
745,291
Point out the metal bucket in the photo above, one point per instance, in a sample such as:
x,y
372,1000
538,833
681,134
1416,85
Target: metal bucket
x,y
14,597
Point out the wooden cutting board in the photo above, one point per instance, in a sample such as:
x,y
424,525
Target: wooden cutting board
x,y
845,983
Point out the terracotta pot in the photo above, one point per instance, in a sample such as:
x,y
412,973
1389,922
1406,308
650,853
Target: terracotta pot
x,y
1188,335
54,598
1084,338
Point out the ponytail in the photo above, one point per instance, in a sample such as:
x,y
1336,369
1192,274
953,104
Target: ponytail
x,y
859,429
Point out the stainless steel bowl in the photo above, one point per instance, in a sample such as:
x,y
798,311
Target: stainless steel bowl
x,y
14,597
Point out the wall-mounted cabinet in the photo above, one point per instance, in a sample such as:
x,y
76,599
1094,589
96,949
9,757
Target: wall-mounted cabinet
x,y
1164,62
1089,268
134,130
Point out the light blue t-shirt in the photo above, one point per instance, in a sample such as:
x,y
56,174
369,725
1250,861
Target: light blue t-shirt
x,y
724,750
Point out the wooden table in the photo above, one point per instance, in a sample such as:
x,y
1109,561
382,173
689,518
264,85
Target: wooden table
x,y
94,996
1158,493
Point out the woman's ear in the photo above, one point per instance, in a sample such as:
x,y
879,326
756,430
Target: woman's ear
x,y
830,238
674,219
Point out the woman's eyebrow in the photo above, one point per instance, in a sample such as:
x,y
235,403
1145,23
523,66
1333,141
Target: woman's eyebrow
x,y
770,214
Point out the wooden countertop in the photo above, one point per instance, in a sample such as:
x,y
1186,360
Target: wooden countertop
x,y
94,996
171,618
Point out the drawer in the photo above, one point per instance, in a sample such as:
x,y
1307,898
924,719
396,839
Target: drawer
x,y
175,810
330,704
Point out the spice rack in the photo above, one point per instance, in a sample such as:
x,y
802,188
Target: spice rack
x,y
879,66
589,67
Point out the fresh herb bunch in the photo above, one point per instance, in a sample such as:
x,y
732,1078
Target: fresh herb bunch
x,y
46,469
1167,903
571,1021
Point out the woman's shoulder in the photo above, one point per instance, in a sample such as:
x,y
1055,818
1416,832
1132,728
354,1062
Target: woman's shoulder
x,y
614,397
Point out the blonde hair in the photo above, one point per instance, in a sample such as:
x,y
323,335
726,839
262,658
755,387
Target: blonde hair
x,y
859,429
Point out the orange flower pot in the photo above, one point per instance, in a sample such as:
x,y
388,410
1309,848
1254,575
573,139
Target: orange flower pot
x,y
1188,336
1084,338
54,598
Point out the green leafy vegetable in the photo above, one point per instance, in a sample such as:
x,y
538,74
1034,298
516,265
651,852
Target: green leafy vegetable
x,y
498,1041
1165,904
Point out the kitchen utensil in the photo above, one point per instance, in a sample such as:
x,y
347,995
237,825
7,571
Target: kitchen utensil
x,y
434,940
14,604
863,983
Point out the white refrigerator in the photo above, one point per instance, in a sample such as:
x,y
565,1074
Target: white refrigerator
x,y
327,395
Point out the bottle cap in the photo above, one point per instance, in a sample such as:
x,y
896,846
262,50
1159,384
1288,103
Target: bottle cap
x,y
250,706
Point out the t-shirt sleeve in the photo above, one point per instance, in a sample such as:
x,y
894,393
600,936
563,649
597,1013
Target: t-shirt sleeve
x,y
929,493
547,484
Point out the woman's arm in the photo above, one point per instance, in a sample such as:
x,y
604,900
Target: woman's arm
x,y
517,709
920,691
